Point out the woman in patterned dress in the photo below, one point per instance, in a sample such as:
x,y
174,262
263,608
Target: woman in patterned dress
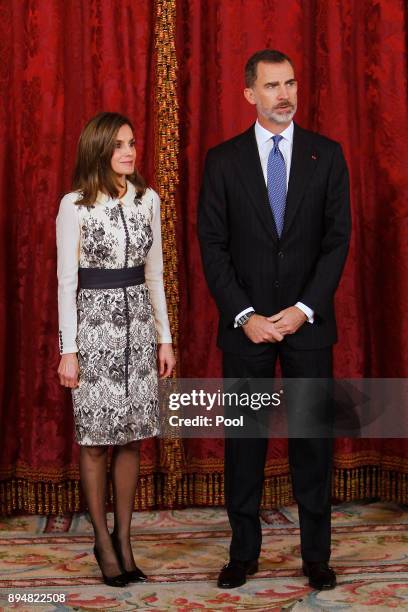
x,y
114,332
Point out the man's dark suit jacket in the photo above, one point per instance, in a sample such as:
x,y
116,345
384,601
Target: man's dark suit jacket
x,y
245,262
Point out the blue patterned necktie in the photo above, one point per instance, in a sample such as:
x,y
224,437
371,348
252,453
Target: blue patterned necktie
x,y
276,177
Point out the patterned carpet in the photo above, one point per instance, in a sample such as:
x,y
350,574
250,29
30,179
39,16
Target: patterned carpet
x,y
182,552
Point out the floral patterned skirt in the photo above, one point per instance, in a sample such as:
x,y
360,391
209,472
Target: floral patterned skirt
x,y
117,398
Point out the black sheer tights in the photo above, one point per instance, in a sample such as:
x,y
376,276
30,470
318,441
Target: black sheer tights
x,y
124,470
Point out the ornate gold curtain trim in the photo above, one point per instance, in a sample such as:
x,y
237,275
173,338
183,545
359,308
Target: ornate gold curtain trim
x,y
166,167
167,147
368,482
279,466
23,471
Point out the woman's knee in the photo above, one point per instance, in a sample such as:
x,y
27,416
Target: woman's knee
x,y
94,452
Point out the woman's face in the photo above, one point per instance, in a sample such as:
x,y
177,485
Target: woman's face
x,y
124,155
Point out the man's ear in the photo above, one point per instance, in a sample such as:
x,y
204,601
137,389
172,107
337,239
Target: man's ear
x,y
249,95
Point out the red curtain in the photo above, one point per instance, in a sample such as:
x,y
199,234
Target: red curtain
x,y
61,63
351,63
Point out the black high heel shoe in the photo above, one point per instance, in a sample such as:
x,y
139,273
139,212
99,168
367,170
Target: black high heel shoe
x,y
113,581
135,575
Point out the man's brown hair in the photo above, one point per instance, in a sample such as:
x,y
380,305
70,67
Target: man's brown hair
x,y
271,56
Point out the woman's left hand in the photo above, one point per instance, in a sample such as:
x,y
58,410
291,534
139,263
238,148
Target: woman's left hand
x,y
166,360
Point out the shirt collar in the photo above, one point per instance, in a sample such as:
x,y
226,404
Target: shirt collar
x,y
128,198
262,135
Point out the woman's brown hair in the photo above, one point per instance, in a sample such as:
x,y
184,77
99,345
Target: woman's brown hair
x,y
93,171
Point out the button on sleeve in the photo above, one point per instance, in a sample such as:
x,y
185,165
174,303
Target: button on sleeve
x,y
67,234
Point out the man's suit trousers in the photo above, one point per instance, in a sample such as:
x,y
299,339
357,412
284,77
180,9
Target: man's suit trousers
x,y
310,461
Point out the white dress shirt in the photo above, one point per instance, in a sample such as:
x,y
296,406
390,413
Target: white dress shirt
x,y
265,144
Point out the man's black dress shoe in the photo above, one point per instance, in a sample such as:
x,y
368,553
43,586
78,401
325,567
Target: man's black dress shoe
x,y
321,576
235,572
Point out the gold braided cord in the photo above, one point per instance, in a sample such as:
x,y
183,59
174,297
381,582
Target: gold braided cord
x,y
167,146
166,166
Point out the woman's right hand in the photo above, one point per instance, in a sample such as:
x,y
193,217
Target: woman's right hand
x,y
68,370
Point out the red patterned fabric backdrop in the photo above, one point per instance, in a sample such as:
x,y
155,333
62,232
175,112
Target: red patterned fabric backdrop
x,y
351,63
62,63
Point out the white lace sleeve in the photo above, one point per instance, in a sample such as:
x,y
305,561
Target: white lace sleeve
x,y
154,276
67,226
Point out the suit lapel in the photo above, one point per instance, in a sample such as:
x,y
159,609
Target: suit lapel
x,y
303,164
250,171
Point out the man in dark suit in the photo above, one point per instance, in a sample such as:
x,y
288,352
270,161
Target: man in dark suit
x,y
274,229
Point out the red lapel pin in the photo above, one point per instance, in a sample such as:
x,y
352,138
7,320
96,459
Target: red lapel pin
x,y
314,156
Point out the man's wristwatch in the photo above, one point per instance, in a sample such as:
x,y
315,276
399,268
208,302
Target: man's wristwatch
x,y
245,318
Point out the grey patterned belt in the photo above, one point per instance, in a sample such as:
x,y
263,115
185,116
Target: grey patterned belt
x,y
119,278
116,278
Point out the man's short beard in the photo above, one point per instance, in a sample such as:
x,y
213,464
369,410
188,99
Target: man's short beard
x,y
279,117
